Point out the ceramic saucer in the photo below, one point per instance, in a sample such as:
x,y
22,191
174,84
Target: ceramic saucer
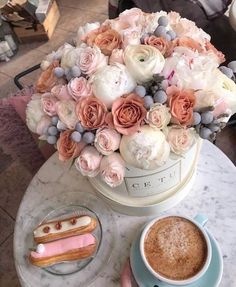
x,y
144,278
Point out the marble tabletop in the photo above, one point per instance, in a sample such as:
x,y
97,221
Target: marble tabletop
x,y
213,194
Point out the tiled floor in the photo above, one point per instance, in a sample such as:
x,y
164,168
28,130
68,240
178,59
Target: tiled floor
x,y
14,178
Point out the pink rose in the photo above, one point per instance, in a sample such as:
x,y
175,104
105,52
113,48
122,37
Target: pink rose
x,y
117,56
107,140
43,125
61,92
79,87
66,113
88,162
158,116
91,59
49,104
112,169
180,139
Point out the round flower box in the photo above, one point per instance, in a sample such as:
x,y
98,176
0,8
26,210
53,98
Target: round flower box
x,y
146,192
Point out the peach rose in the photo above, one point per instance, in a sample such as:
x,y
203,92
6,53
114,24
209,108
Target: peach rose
x,y
91,112
88,162
49,104
219,55
112,169
164,46
181,103
79,87
67,148
107,140
106,39
47,79
188,43
61,92
127,114
180,139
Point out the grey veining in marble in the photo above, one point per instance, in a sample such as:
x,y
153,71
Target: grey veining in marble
x,y
214,194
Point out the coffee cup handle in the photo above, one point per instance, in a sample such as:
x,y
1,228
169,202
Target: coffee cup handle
x,y
201,219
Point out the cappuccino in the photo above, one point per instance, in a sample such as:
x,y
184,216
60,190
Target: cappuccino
x,y
175,248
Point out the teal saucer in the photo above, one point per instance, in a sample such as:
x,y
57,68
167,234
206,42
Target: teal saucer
x,y
144,278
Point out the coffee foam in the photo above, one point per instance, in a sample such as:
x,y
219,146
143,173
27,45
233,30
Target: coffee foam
x,y
175,248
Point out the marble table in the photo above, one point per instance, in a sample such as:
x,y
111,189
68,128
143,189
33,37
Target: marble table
x,y
214,194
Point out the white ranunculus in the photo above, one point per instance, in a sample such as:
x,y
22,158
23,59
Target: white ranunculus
x,y
146,149
111,82
84,30
34,112
143,61
188,69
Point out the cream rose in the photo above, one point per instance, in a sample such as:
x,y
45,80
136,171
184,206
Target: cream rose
x,y
143,61
111,82
112,169
146,149
91,60
107,140
180,139
158,116
66,113
34,112
88,162
43,125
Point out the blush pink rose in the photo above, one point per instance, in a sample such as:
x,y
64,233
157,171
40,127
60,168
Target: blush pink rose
x,y
61,92
112,169
180,139
79,87
107,140
117,56
67,148
88,162
49,104
91,59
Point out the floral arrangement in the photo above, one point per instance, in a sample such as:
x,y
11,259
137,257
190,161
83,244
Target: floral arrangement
x,y
135,90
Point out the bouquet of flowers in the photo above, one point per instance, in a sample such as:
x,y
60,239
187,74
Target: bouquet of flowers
x,y
135,90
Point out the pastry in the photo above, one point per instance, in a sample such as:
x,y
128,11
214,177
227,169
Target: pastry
x,y
59,229
66,249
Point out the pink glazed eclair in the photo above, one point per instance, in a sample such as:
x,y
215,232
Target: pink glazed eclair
x,y
67,249
59,229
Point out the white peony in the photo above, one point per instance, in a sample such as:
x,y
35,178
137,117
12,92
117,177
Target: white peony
x,y
34,112
225,88
70,57
111,82
146,149
205,99
143,61
188,69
